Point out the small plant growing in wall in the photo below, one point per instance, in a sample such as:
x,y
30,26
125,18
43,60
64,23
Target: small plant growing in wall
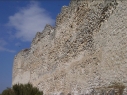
x,y
119,87
22,89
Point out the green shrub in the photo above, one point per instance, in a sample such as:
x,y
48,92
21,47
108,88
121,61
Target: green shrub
x,y
20,89
8,91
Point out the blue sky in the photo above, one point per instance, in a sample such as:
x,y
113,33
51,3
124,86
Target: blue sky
x,y
19,22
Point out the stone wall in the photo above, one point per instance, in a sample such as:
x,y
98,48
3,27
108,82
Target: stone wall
x,y
84,54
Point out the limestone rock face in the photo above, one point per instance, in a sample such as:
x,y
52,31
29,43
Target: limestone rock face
x,y
84,54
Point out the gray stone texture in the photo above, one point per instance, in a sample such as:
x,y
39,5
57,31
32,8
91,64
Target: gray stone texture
x,y
84,54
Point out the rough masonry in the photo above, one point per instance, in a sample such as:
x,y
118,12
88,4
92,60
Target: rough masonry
x,y
84,54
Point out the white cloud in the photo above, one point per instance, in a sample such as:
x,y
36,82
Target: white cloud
x,y
29,20
2,46
5,49
17,44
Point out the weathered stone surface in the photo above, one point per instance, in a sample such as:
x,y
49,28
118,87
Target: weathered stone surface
x,y
84,54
